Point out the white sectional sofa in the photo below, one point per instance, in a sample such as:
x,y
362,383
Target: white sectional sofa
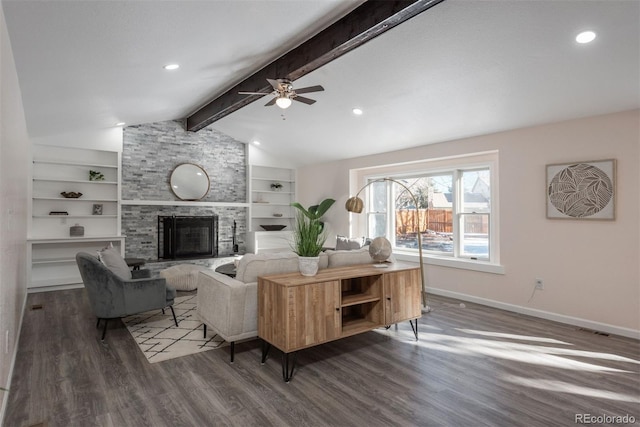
x,y
229,306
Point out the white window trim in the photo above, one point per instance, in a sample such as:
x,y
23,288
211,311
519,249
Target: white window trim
x,y
360,177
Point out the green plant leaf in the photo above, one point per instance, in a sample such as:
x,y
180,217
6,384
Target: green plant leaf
x,y
309,235
315,211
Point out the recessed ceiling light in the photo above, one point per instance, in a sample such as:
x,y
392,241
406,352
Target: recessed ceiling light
x,y
586,37
357,111
120,124
256,142
171,67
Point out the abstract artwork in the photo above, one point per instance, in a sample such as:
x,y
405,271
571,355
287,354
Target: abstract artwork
x,y
581,190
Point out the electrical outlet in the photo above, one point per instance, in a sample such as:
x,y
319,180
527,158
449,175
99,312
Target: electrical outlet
x,y
539,284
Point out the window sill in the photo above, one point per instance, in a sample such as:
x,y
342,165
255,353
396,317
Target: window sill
x,y
464,264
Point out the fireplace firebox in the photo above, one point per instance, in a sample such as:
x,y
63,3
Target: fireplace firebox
x,y
187,237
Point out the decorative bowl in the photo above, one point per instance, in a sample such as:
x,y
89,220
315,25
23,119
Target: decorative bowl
x,y
273,227
71,194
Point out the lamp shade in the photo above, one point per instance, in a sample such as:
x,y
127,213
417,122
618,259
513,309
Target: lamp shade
x,y
354,204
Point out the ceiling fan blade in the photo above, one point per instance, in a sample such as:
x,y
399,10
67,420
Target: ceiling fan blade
x,y
253,93
304,100
272,102
276,84
317,88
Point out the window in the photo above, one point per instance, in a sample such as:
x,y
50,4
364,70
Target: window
x,y
454,210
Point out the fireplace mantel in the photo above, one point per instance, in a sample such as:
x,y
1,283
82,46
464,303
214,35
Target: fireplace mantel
x,y
183,203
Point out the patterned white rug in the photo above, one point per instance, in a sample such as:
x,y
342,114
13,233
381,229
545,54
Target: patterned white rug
x,y
158,337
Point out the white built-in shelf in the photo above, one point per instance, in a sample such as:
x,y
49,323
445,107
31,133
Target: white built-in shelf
x,y
60,163
74,181
53,261
55,281
272,179
273,192
270,204
75,216
79,199
87,239
50,248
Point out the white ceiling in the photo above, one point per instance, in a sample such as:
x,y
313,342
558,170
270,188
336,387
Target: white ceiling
x,y
460,69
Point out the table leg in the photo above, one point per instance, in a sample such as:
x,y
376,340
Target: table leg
x,y
265,350
414,328
288,366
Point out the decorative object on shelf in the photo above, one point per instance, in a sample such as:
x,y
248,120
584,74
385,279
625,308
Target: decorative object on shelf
x,y
273,227
277,215
97,209
71,194
355,205
309,235
234,240
276,186
96,175
76,230
58,213
581,190
189,182
380,249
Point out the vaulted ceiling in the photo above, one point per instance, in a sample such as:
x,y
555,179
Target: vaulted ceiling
x,y
461,68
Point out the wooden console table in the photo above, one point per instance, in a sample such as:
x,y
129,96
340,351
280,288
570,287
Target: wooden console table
x,y
297,312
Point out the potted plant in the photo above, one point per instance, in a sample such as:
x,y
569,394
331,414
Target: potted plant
x,y
309,235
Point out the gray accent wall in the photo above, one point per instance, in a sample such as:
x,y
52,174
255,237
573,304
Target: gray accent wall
x,y
150,153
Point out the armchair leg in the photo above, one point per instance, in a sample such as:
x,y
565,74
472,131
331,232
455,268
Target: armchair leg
x,y
204,328
98,324
233,350
174,315
104,330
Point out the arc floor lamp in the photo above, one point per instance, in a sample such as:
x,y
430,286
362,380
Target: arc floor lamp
x,y
355,205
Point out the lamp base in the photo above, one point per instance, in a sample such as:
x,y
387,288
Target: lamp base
x,y
425,309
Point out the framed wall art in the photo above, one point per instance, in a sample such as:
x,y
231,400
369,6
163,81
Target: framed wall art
x,y
582,190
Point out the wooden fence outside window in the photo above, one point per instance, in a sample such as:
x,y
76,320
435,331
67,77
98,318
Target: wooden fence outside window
x,y
436,220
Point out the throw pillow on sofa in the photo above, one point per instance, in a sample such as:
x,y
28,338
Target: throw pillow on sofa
x,y
347,244
112,259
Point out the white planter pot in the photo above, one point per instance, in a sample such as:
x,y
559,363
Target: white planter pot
x,y
308,266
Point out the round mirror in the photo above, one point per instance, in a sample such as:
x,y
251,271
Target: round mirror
x,y
189,182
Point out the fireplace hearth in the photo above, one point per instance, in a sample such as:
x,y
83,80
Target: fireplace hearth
x,y
181,237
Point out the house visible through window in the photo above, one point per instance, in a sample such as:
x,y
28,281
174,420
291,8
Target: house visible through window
x,y
454,211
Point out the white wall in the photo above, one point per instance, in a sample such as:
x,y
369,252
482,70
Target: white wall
x,y
14,147
108,139
590,268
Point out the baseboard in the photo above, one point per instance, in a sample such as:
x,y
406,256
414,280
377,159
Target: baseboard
x,y
5,399
575,321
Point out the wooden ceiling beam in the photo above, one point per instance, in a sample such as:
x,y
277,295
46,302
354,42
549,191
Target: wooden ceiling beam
x,y
364,23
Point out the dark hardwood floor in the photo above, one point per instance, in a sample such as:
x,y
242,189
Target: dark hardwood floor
x,y
473,366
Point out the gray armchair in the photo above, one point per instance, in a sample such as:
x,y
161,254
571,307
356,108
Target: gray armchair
x,y
112,297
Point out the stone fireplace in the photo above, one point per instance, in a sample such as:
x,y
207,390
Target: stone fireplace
x,y
181,237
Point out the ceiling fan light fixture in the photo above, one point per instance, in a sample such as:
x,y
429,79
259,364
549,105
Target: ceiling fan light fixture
x,y
586,37
283,102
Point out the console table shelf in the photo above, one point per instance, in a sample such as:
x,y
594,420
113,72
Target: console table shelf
x,y
297,312
348,300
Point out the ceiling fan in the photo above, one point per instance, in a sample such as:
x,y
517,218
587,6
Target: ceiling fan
x,y
284,93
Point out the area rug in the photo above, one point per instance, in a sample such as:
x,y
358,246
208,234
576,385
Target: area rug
x,y
158,337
